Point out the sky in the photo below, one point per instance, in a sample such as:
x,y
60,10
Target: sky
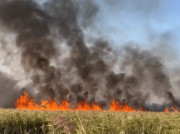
x,y
148,23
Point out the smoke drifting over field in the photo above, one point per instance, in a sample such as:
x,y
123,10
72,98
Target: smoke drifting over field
x,y
55,56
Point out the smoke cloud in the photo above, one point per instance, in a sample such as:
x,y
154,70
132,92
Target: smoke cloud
x,y
8,91
60,63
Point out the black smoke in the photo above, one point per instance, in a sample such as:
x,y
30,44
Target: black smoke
x,y
86,69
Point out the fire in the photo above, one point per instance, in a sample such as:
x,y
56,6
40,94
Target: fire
x,y
175,110
167,110
27,103
117,106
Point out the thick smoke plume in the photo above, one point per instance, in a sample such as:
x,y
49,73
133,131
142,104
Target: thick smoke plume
x,y
55,55
7,95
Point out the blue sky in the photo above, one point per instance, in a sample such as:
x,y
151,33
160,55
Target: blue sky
x,y
147,22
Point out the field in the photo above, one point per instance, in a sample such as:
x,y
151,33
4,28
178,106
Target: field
x,y
14,121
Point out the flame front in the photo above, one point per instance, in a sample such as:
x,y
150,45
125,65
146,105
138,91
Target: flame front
x,y
27,103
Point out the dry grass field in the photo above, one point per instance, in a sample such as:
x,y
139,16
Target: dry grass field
x,y
14,121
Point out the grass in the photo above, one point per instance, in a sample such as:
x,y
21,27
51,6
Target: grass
x,y
41,122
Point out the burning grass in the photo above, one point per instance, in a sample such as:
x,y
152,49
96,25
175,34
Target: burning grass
x,y
88,122
25,102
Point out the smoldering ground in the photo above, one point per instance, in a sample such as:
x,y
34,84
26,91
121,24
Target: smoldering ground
x,y
56,58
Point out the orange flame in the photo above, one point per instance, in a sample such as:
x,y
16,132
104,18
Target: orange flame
x,y
27,103
175,110
167,110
